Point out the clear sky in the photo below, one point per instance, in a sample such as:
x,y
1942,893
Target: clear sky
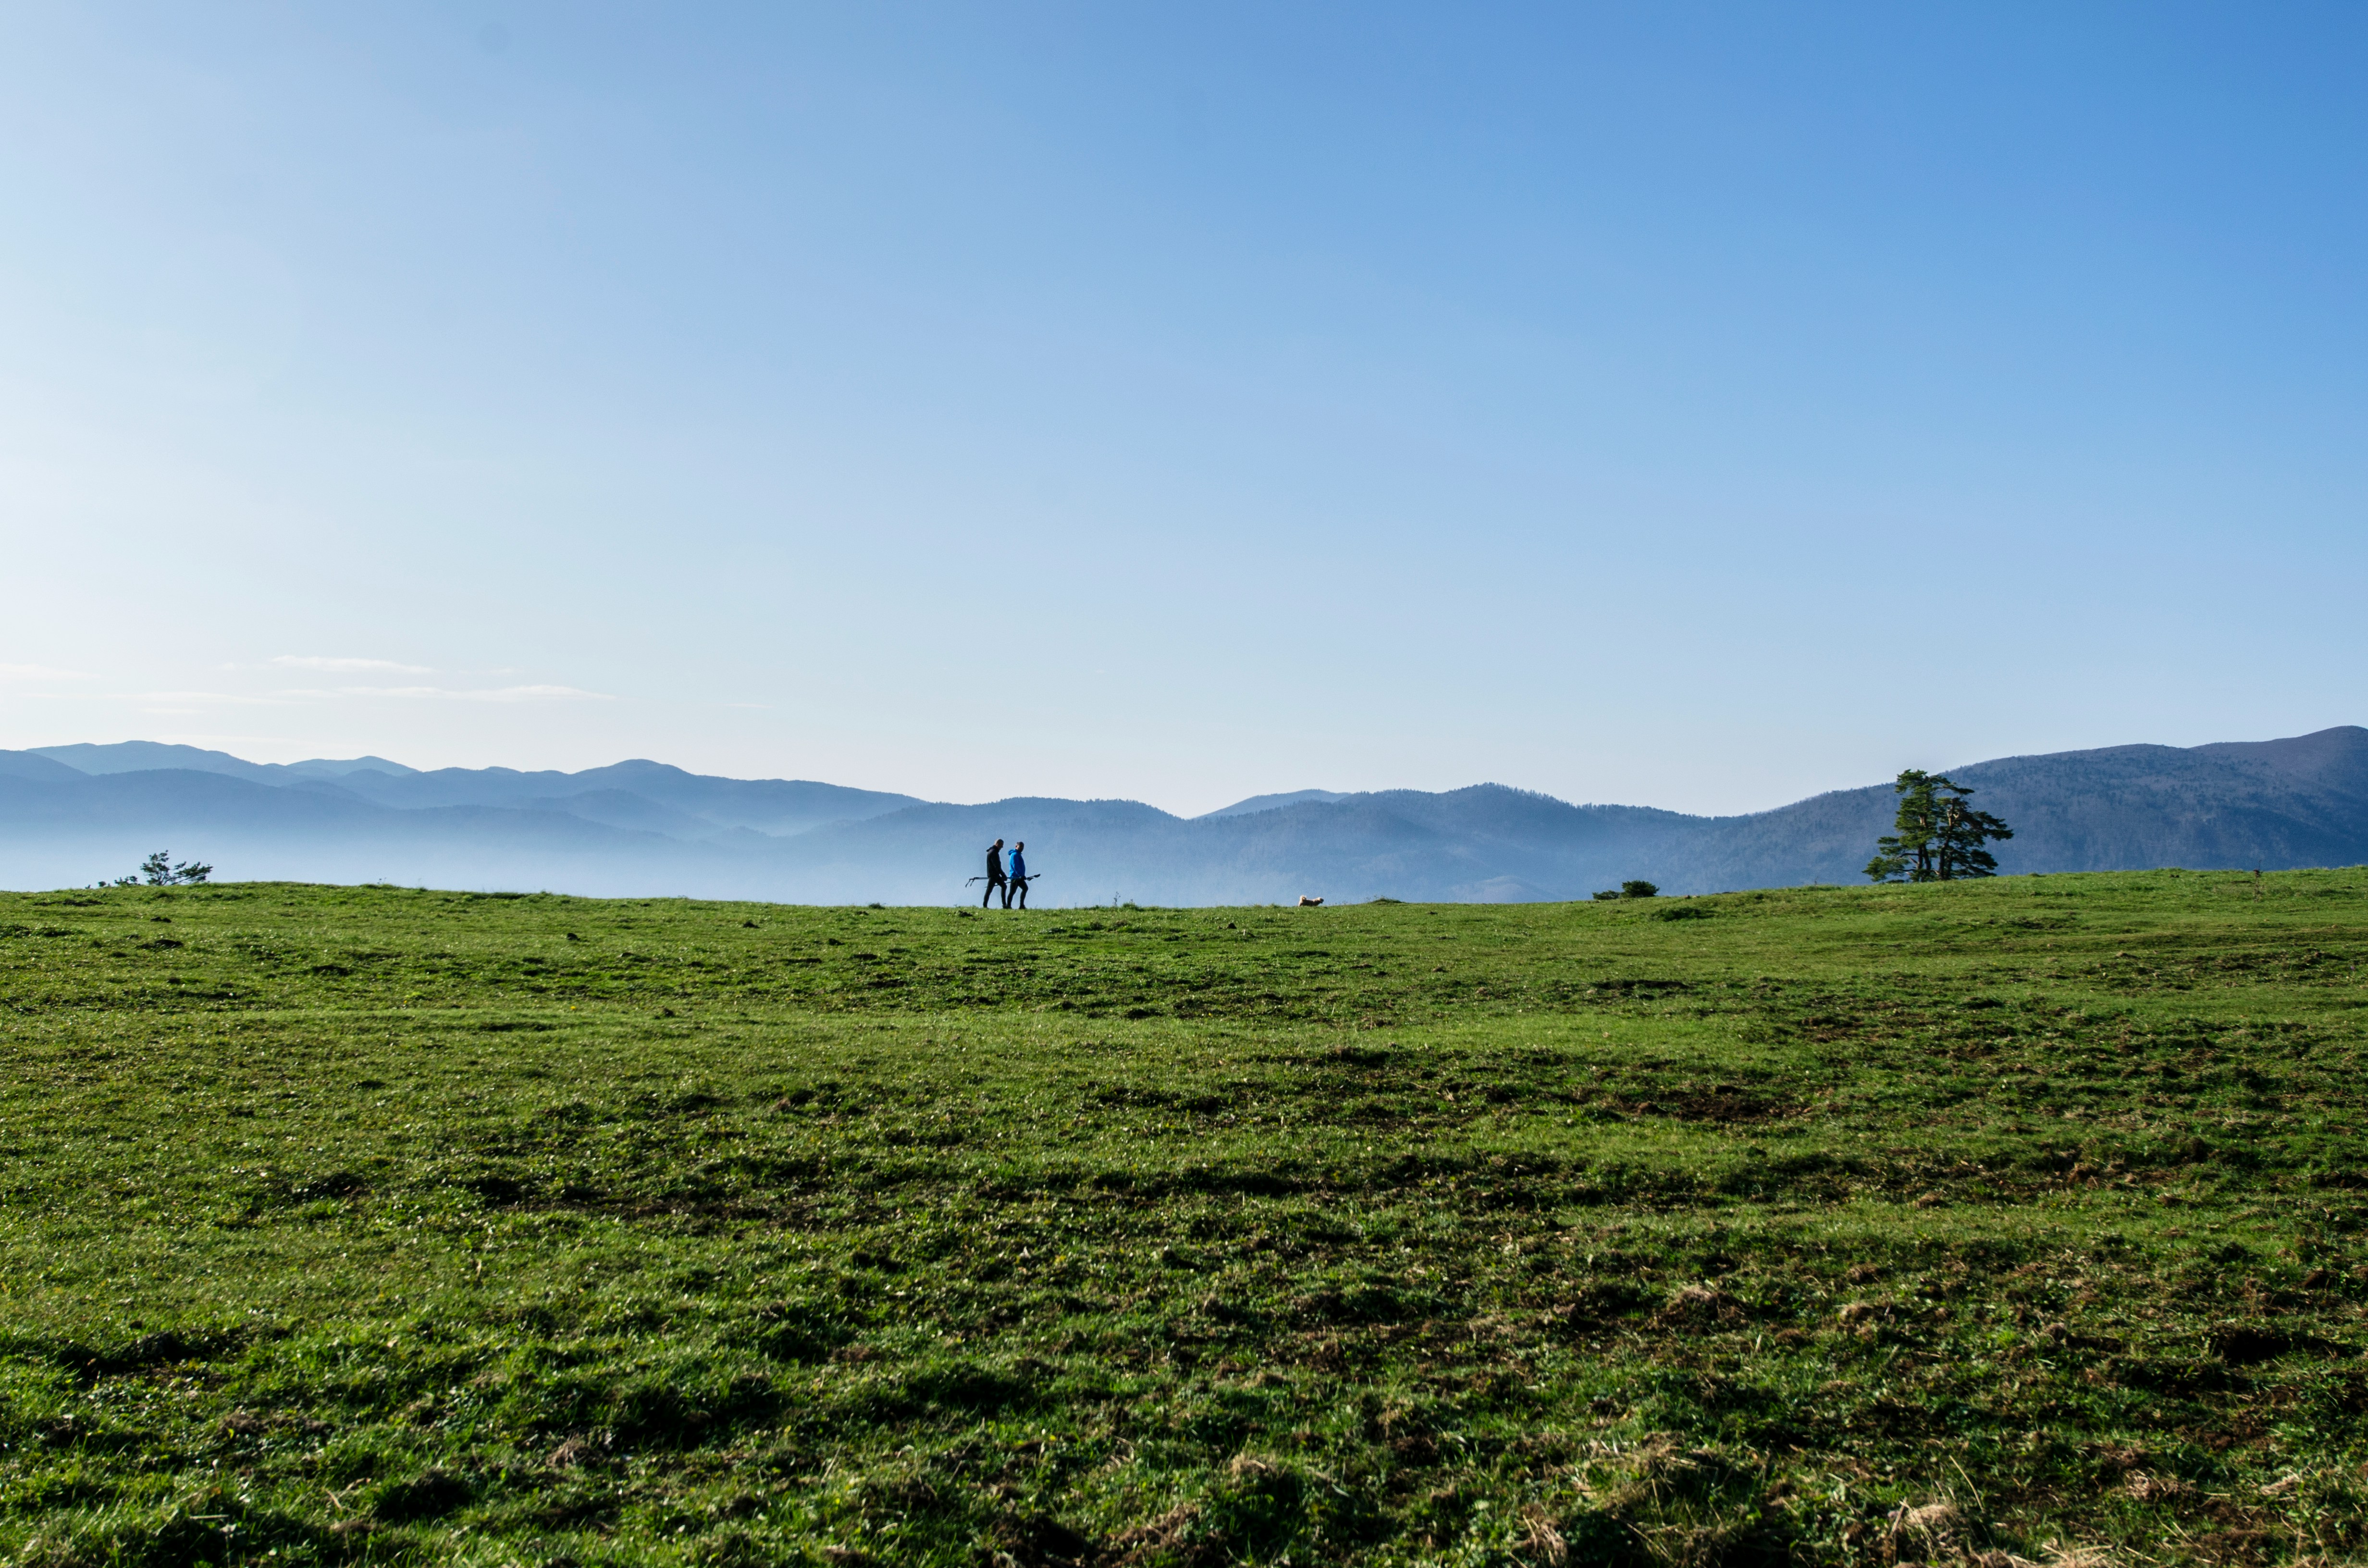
x,y
1694,406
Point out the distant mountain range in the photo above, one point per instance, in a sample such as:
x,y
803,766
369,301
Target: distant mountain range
x,y
74,814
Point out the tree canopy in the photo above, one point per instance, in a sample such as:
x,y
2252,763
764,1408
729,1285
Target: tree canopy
x,y
1937,837
159,871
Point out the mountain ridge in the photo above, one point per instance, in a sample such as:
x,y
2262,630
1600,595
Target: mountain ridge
x,y
641,827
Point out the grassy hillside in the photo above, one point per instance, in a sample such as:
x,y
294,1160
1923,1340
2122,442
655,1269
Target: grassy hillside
x,y
1829,1226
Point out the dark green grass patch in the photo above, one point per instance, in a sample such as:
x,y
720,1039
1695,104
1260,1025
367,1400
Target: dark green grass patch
x,y
1833,1225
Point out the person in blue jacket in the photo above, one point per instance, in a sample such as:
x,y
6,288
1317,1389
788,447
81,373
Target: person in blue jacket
x,y
1018,884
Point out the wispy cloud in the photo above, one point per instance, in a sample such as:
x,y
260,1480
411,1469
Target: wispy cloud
x,y
184,700
348,666
485,694
190,701
189,704
41,672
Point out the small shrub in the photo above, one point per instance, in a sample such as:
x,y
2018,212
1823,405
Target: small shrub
x,y
1638,890
159,871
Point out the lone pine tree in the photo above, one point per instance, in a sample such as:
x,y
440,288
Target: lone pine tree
x,y
1936,838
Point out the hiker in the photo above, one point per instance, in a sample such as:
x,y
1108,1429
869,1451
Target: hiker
x,y
1019,876
995,876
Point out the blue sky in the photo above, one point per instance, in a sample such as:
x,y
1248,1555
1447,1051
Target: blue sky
x,y
1689,405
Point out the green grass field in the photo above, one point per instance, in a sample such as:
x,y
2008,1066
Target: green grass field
x,y
1833,1225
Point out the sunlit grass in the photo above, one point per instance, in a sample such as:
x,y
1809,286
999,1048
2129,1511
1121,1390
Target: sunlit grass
x,y
382,1224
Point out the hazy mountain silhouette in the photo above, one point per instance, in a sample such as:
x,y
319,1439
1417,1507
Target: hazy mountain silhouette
x,y
139,756
1275,803
645,828
33,765
775,806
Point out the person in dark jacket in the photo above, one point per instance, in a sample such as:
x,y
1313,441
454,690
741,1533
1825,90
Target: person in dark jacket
x,y
995,876
1019,876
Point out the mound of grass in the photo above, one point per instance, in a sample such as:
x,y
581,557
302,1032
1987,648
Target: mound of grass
x,y
1956,1223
